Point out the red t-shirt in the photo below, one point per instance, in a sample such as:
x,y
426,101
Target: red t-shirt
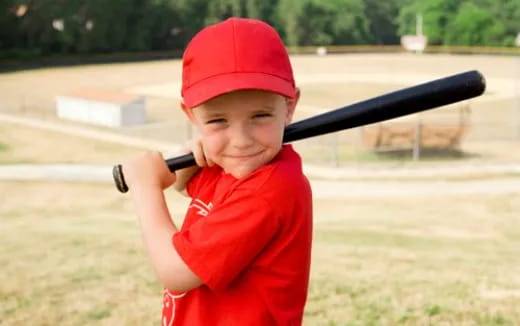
x,y
249,241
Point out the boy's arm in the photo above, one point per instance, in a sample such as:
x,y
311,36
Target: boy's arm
x,y
147,176
183,176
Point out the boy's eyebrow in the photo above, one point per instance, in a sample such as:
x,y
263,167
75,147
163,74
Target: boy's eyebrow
x,y
268,107
212,114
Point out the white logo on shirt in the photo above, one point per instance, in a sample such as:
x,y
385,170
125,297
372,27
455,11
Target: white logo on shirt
x,y
168,315
203,208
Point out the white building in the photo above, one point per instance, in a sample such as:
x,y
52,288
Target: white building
x,y
103,107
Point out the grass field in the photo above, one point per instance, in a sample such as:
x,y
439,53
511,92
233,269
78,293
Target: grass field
x,y
72,252
377,261
20,144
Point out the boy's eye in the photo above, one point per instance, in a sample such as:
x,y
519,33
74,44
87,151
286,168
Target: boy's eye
x,y
262,115
216,121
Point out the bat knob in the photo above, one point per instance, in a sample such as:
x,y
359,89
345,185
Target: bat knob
x,y
119,179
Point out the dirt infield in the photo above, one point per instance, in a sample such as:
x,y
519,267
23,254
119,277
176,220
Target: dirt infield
x,y
38,88
326,82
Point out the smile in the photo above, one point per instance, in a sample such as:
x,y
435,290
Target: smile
x,y
243,157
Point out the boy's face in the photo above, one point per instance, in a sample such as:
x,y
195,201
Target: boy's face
x,y
242,130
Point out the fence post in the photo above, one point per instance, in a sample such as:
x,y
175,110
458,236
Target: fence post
x,y
335,149
516,119
417,140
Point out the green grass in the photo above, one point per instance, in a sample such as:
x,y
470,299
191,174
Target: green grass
x,y
421,262
426,261
72,253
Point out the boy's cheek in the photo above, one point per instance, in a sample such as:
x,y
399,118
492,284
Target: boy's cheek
x,y
274,133
212,145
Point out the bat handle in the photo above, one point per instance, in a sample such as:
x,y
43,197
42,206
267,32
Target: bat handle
x,y
119,178
174,164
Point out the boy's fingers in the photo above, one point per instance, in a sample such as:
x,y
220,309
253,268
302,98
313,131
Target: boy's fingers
x,y
209,162
167,177
198,153
147,168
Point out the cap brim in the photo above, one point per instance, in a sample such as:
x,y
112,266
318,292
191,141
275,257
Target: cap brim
x,y
222,84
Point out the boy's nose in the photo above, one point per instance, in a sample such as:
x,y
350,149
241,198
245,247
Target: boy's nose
x,y
240,136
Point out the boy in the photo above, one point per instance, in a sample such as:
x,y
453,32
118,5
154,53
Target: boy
x,y
242,256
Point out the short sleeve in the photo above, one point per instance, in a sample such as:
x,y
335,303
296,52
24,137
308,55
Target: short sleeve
x,y
193,183
200,180
219,246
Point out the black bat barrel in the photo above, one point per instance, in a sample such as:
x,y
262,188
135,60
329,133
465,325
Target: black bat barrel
x,y
392,105
402,102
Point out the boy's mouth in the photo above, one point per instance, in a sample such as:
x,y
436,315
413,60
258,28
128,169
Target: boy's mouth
x,y
244,156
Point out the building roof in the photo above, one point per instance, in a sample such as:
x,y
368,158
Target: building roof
x,y
102,95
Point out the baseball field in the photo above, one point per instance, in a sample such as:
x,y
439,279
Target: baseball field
x,y
72,253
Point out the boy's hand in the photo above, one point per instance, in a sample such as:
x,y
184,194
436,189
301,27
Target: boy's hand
x,y
197,148
184,175
148,170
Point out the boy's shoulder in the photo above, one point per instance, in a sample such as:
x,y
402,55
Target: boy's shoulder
x,y
283,175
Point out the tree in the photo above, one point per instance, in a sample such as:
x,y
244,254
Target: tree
x,y
9,26
349,22
219,10
314,22
192,17
474,25
436,16
382,21
507,13
260,9
96,26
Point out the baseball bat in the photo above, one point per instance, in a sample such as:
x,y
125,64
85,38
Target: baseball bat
x,y
402,102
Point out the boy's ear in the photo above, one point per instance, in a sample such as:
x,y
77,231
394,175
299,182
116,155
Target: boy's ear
x,y
187,111
291,106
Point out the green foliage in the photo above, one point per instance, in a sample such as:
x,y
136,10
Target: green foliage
x,y
219,10
192,15
436,15
507,12
8,26
473,25
463,22
315,22
100,26
382,22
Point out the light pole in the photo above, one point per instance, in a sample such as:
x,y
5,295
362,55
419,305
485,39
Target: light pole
x,y
517,95
416,154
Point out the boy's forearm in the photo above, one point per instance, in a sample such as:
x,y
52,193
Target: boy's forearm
x,y
158,229
183,176
156,225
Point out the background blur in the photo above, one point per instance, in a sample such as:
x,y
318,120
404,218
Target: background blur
x,y
31,29
416,219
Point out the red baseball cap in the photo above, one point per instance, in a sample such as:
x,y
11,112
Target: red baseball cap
x,y
236,54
